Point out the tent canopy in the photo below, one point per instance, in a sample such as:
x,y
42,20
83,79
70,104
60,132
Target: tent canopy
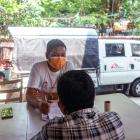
x,y
30,45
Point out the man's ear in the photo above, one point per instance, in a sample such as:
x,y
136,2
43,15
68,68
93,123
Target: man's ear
x,y
62,107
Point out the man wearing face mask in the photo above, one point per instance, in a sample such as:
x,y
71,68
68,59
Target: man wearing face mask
x,y
43,77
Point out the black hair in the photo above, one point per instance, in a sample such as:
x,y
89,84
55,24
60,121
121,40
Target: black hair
x,y
54,43
76,90
2,74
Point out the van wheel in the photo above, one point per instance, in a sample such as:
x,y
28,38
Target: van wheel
x,y
135,88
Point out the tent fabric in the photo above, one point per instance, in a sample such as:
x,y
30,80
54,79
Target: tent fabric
x,y
82,50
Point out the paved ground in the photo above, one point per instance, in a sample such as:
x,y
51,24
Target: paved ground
x,y
136,100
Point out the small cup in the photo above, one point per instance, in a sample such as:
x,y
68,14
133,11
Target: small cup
x,y
107,106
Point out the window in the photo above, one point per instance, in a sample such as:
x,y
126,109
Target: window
x,y
135,50
114,49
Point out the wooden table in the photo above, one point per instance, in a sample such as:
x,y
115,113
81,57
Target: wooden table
x,y
27,122
15,128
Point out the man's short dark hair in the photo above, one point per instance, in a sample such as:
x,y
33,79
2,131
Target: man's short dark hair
x,y
76,90
54,43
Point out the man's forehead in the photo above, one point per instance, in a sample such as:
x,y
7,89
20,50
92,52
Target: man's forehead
x,y
56,49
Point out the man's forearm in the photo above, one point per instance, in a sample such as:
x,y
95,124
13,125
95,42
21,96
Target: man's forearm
x,y
33,102
32,98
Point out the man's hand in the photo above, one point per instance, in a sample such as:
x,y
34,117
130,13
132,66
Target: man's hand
x,y
52,96
44,107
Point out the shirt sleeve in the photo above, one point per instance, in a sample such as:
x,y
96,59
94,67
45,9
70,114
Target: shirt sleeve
x,y
34,78
42,135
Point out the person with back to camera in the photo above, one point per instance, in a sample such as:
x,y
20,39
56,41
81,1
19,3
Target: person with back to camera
x,y
82,121
43,77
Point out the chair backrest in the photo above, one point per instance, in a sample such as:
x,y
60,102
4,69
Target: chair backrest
x,y
11,88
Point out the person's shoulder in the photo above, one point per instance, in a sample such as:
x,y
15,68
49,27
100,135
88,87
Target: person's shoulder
x,y
111,115
110,118
111,122
40,64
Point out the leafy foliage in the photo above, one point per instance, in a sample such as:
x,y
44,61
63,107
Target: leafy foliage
x,y
17,13
79,12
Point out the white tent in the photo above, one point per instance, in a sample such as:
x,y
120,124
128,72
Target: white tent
x,y
30,43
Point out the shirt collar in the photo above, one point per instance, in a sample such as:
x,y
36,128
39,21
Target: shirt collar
x,y
82,112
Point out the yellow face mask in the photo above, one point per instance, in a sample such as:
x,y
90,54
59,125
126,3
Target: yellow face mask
x,y
57,62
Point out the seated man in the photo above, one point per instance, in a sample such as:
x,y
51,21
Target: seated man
x,y
43,77
81,121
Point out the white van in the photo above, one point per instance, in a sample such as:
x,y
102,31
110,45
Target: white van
x,y
120,63
112,62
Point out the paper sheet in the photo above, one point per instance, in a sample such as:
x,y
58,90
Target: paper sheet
x,y
54,112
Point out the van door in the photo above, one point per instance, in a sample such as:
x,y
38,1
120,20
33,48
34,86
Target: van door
x,y
135,58
135,67
113,62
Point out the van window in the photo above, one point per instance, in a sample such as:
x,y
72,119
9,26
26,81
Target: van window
x,y
135,50
114,49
